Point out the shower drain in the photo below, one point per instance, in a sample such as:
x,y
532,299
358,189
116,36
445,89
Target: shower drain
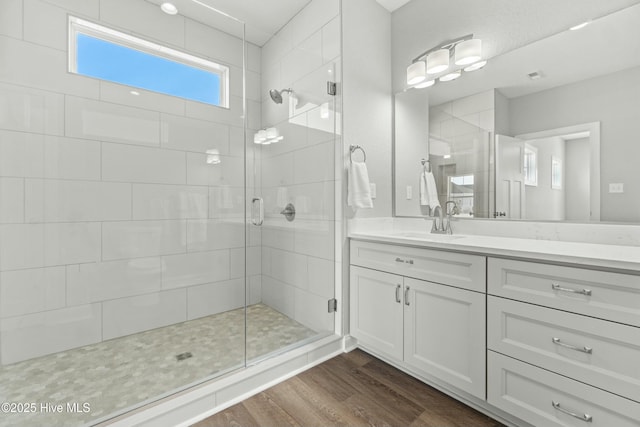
x,y
183,356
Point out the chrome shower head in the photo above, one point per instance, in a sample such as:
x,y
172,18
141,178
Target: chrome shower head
x,y
276,95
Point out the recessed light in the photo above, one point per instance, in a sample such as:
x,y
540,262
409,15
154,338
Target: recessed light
x,y
134,92
577,27
169,8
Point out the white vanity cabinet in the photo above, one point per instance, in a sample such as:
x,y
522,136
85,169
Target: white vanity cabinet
x,y
564,344
425,309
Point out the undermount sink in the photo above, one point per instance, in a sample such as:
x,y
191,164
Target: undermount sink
x,y
427,236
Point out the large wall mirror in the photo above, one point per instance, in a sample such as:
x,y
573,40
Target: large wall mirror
x,y
548,131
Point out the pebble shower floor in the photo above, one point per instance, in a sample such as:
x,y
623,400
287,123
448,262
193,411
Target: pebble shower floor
x,y
114,375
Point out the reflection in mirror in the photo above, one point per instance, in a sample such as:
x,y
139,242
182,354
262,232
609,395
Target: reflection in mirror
x,y
459,149
591,75
551,175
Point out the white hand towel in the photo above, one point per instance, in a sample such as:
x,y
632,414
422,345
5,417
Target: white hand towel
x,y
428,190
359,190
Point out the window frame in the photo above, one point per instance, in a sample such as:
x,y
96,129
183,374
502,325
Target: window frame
x,y
91,29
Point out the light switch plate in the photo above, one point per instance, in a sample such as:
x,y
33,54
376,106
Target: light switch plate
x,y
409,192
617,187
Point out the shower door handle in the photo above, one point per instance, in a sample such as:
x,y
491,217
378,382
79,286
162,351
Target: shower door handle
x,y
260,219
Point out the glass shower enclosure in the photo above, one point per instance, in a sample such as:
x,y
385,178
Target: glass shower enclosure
x,y
132,265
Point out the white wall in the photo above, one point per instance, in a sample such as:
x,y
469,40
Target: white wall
x,y
541,201
367,95
114,226
298,258
577,196
613,101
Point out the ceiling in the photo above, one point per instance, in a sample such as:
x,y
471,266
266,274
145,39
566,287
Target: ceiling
x,y
392,5
262,18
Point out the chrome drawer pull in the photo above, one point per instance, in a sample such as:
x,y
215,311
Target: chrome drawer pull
x,y
398,293
584,349
557,287
586,417
406,296
406,261
399,260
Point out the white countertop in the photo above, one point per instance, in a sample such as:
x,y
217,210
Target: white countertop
x,y
577,253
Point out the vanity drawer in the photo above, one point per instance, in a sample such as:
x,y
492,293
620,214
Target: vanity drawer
x,y
611,296
454,269
529,393
597,352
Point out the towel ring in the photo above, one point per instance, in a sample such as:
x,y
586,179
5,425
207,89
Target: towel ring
x,y
426,165
353,148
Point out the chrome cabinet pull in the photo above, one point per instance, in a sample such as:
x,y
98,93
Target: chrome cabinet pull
x,y
406,261
584,349
399,260
585,417
398,293
557,287
406,296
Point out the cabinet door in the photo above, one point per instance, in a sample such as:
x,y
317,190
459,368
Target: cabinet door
x,y
445,334
376,310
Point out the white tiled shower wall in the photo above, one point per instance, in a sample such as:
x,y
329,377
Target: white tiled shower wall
x,y
298,263
111,222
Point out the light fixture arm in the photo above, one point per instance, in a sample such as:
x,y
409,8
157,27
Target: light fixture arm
x,y
449,45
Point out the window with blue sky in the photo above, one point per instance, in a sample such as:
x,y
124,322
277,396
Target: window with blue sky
x,y
106,54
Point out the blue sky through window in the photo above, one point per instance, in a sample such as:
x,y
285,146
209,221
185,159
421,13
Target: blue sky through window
x,y
120,64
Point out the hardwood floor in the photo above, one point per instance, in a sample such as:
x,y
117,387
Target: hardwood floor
x,y
353,389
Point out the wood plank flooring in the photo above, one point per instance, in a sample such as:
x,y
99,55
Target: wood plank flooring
x,y
353,389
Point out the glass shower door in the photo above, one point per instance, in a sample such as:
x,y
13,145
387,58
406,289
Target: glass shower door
x,y
295,150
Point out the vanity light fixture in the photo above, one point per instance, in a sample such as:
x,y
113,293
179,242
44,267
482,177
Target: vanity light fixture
x,y
475,66
169,8
450,76
416,72
425,84
436,63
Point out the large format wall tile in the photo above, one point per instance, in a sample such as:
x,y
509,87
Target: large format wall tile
x,y
139,239
11,18
89,119
11,200
31,110
143,312
213,298
32,290
47,332
194,268
186,134
128,163
155,201
26,69
103,281
209,235
71,201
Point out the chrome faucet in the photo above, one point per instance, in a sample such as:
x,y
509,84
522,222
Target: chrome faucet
x,y
440,224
